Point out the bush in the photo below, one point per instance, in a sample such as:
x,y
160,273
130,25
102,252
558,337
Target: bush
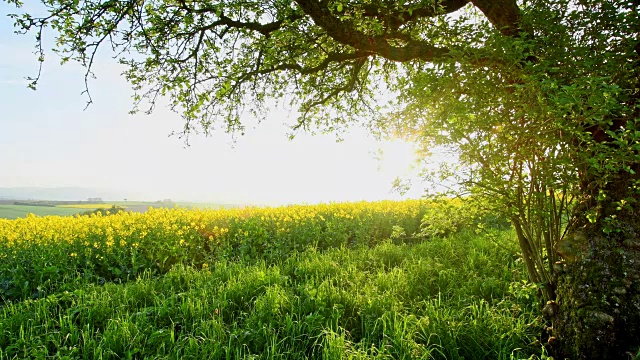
x,y
449,216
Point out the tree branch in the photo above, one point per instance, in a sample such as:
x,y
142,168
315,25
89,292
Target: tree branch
x,y
344,32
397,18
264,29
505,15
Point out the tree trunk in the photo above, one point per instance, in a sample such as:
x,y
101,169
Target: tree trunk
x,y
597,313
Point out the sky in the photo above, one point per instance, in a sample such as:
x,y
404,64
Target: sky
x,y
48,139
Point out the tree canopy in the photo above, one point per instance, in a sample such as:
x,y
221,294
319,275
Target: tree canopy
x,y
211,56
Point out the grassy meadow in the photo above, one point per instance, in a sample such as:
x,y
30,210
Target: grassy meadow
x,y
339,281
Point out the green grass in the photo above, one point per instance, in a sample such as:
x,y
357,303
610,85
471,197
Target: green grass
x,y
460,297
20,211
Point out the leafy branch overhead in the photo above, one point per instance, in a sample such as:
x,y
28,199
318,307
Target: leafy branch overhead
x,y
210,57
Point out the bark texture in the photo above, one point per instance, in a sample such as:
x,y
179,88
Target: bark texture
x,y
597,314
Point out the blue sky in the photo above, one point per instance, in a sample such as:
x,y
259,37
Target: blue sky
x,y
47,139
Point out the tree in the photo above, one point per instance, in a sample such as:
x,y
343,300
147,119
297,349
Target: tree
x,y
538,98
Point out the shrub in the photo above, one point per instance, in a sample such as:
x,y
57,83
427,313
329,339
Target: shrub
x,y
448,216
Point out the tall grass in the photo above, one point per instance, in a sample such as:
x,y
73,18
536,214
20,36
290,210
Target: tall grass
x,y
460,297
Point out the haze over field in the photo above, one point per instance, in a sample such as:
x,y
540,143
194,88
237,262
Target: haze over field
x,y
63,193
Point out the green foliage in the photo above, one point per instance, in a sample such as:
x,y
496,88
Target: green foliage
x,y
549,120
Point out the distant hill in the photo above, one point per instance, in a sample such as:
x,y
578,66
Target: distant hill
x,y
64,194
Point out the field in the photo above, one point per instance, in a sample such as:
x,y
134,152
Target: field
x,y
340,281
20,211
10,211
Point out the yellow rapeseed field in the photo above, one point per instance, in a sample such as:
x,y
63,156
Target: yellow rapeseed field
x,y
36,252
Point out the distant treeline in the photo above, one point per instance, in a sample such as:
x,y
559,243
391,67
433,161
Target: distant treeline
x,y
33,204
